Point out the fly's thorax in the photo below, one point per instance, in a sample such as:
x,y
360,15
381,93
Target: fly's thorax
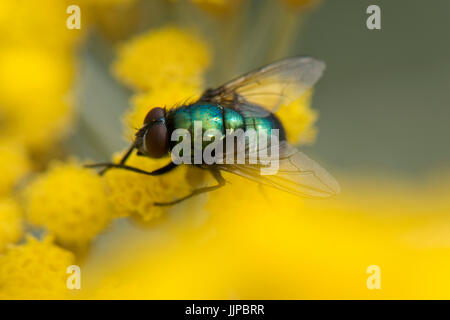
x,y
209,115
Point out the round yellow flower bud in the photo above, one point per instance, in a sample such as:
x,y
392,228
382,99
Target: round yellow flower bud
x,y
159,57
34,270
70,202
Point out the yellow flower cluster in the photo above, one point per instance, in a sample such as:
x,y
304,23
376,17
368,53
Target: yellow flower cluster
x,y
298,120
34,270
36,71
70,202
37,57
160,57
10,223
135,194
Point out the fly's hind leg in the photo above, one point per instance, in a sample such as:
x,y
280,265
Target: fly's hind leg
x,y
220,183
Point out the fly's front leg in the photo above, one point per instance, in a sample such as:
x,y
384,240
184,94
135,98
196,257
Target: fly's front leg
x,y
121,162
220,183
156,172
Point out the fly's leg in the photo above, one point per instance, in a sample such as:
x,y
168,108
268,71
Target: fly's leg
x,y
156,172
121,162
220,183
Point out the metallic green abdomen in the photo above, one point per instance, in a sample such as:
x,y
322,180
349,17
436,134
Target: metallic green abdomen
x,y
219,118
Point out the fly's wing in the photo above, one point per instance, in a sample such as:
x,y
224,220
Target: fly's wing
x,y
297,174
260,93
271,86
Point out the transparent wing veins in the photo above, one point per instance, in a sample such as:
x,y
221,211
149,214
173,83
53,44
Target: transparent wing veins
x,y
297,174
271,86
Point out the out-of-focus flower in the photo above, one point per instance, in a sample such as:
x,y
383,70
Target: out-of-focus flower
x,y
299,119
37,23
14,165
267,244
159,57
30,73
11,229
34,270
36,71
70,202
135,194
34,96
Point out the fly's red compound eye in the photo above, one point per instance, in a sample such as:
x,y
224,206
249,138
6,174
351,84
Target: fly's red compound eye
x,y
153,115
156,140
